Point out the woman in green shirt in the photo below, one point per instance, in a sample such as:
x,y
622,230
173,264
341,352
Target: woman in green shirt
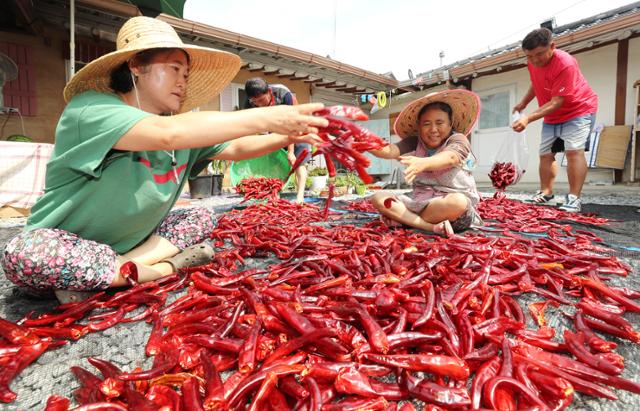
x,y
122,156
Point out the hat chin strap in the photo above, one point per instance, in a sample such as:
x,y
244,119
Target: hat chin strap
x,y
171,154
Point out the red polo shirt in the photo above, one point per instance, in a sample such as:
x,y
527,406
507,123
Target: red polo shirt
x,y
562,77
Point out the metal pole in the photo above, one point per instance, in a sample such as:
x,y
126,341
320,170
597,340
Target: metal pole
x,y
335,27
72,41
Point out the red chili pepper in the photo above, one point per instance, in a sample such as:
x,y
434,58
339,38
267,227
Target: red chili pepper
x,y
299,159
487,371
492,385
255,379
57,403
430,392
164,362
191,395
101,406
595,342
575,344
164,396
331,168
114,318
290,386
350,112
437,364
247,354
16,363
277,401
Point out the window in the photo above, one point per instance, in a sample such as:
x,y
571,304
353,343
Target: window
x,y
85,52
496,111
21,92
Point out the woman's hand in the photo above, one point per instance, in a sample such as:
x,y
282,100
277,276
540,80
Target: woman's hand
x,y
415,166
294,120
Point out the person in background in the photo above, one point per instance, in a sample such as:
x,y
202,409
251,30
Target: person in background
x,y
261,94
568,105
125,144
438,159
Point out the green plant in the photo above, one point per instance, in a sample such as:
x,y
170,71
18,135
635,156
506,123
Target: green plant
x,y
353,180
341,181
219,166
318,171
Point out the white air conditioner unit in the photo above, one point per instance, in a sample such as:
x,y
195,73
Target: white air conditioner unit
x,y
8,72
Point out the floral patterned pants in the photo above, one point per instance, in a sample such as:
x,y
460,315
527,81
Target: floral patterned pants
x,y
51,259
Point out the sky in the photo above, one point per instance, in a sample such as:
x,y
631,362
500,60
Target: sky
x,y
391,35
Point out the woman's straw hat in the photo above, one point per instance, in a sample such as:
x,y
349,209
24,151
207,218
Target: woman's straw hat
x,y
210,70
465,107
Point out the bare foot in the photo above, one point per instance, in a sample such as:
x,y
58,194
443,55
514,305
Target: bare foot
x,y
444,229
390,222
70,296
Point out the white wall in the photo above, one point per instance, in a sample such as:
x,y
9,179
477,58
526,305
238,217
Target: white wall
x,y
633,74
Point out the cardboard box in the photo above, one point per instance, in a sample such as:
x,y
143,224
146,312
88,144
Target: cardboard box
x,y
12,212
613,146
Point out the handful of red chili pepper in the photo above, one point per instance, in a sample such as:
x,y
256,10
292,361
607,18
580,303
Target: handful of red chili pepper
x,y
503,175
258,188
346,141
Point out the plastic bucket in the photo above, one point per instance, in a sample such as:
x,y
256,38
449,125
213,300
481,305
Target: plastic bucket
x,y
200,187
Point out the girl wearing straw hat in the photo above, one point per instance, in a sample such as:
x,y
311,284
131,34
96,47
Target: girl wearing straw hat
x,y
125,145
437,155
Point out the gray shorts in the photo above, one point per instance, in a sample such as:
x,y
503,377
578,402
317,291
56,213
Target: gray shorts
x,y
568,136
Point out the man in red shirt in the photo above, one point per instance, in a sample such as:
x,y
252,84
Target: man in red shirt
x,y
568,105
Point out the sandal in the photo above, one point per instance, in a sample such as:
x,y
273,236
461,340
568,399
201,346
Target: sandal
x,y
443,229
197,254
540,198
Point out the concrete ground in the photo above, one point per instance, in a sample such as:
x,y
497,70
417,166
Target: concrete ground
x,y
123,343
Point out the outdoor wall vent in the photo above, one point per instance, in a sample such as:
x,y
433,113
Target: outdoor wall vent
x,y
549,24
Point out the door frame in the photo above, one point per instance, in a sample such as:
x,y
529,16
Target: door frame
x,y
512,89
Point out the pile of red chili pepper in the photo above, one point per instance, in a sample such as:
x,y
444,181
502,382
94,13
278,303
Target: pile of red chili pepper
x,y
503,175
518,216
259,188
346,141
364,206
355,317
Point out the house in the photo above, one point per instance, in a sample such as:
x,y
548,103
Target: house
x,y
36,35
607,47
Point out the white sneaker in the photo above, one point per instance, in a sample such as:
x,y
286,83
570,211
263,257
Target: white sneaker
x,y
572,204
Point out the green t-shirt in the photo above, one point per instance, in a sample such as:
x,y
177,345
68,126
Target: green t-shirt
x,y
110,196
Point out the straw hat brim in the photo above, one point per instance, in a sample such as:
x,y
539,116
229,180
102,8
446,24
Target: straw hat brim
x,y
465,107
210,71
